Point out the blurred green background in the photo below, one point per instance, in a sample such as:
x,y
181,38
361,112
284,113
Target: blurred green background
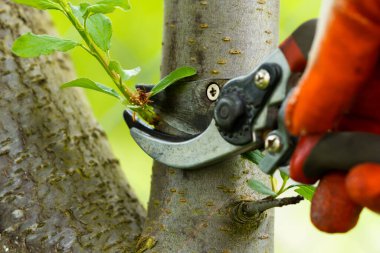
x,y
137,42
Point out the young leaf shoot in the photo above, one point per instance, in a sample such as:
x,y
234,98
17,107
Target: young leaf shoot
x,y
255,157
95,29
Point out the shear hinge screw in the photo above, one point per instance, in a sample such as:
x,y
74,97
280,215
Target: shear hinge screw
x,y
213,91
262,79
273,143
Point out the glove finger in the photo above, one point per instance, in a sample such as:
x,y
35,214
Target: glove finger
x,y
342,59
363,185
332,210
304,147
363,115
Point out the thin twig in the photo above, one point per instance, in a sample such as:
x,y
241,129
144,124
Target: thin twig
x,y
247,210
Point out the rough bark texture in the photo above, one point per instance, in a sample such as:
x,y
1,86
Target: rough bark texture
x,y
189,211
61,189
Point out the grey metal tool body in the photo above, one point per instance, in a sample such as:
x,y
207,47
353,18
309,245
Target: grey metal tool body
x,y
239,114
248,115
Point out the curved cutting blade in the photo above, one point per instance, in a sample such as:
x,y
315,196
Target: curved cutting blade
x,y
204,149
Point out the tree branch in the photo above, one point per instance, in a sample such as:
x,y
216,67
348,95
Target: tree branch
x,y
62,190
245,211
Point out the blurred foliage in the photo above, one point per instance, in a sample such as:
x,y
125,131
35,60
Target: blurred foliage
x,y
137,42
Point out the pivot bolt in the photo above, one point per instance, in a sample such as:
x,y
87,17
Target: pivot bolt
x,y
262,79
273,143
213,91
227,111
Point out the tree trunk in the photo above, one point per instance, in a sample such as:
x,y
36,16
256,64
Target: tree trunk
x,y
61,189
190,210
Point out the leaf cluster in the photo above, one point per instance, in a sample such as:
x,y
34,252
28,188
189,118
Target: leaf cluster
x,y
95,29
306,191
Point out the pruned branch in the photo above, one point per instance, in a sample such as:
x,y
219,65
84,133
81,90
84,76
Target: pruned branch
x,y
245,211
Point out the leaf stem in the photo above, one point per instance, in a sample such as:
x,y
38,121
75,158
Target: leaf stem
x,y
282,189
95,51
273,184
86,49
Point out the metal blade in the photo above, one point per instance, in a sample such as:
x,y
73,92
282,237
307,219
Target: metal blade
x,y
204,149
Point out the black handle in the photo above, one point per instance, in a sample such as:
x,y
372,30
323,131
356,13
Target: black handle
x,y
341,151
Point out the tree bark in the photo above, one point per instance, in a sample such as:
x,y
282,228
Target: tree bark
x,y
61,189
190,210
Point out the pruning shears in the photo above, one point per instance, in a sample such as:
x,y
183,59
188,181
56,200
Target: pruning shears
x,y
249,115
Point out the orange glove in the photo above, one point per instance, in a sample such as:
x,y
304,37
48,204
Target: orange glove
x,y
340,91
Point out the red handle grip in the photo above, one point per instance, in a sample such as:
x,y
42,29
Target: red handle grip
x,y
296,48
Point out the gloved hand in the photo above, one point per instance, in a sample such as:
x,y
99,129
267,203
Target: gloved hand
x,y
340,91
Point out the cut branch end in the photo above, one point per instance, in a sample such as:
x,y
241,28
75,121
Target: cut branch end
x,y
245,211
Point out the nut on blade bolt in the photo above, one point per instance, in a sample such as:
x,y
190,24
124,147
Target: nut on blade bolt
x,y
213,91
273,143
262,79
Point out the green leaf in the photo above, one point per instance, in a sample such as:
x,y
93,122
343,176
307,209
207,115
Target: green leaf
x,y
40,4
77,11
254,156
121,4
107,6
306,191
99,27
32,45
284,176
172,78
89,84
260,187
125,74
